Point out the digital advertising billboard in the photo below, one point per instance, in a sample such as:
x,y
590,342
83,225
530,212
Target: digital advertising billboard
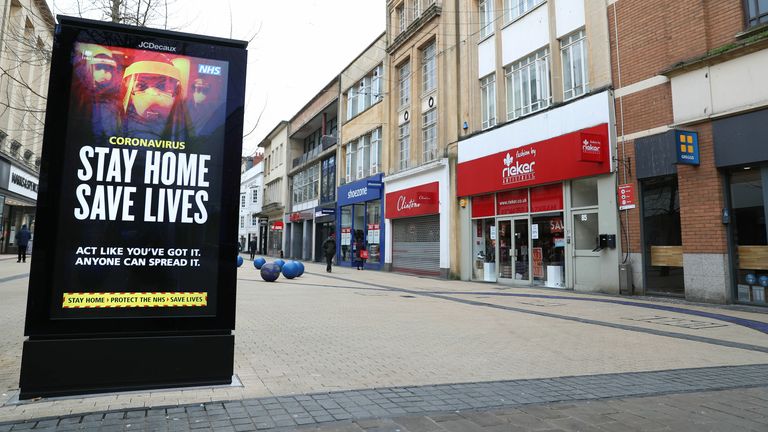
x,y
136,232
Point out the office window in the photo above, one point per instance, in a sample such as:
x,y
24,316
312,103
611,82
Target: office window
x,y
404,141
404,80
242,200
305,184
428,69
377,85
486,18
254,220
488,100
516,8
254,195
349,171
352,102
363,94
363,156
402,22
527,82
429,135
574,52
757,12
328,180
242,221
376,151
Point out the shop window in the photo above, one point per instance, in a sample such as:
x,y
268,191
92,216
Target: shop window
x,y
484,249
373,232
346,232
584,192
749,233
662,239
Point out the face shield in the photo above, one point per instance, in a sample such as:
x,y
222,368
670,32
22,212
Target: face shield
x,y
152,88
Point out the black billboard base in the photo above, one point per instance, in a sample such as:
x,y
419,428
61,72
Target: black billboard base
x,y
62,367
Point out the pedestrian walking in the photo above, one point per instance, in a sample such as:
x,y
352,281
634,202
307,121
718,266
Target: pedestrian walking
x,y
22,241
329,247
252,248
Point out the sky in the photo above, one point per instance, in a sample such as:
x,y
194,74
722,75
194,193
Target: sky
x,y
298,46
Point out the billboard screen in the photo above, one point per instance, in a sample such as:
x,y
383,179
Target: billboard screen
x,y
139,183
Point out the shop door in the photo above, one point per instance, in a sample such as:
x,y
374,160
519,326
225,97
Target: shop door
x,y
416,245
586,258
514,249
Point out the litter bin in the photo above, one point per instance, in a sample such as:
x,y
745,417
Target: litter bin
x,y
625,279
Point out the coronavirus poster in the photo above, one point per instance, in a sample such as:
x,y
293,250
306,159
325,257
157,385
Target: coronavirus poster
x,y
136,224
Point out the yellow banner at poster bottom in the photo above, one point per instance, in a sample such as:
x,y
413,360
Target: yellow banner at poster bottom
x,y
136,299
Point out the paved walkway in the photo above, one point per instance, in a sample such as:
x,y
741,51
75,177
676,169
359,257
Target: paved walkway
x,y
336,336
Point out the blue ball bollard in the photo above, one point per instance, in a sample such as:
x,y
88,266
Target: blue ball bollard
x,y
763,280
270,272
239,260
258,262
290,270
301,268
751,278
279,262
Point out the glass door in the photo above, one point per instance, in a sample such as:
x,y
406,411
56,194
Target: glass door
x,y
521,254
505,254
514,249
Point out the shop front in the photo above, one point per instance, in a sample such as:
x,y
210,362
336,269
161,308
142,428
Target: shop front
x,y
744,166
542,212
298,234
417,218
18,198
325,226
275,238
360,223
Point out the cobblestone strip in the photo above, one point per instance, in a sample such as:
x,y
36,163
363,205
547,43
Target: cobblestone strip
x,y
292,411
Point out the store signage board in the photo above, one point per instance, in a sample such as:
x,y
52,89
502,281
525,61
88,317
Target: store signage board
x,y
22,183
626,196
687,147
552,160
137,209
416,201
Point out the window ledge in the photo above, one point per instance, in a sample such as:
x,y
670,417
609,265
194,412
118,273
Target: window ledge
x,y
754,40
434,10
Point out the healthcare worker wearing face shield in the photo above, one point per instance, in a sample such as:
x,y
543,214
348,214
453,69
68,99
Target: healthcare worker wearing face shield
x,y
152,100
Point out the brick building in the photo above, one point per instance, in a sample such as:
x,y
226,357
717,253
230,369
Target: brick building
x,y
690,106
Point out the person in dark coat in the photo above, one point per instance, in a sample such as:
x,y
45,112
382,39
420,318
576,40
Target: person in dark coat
x,y
22,241
329,247
252,248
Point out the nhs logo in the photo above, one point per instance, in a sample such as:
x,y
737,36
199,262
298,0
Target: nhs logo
x,y
208,69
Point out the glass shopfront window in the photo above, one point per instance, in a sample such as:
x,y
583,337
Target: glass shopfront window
x,y
346,233
484,249
662,236
361,229
748,187
373,233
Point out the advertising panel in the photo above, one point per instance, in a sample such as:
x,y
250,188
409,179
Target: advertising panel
x,y
138,205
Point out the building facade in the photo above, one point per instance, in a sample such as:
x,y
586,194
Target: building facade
x,y
535,169
422,66
360,205
252,227
313,133
275,150
26,36
691,109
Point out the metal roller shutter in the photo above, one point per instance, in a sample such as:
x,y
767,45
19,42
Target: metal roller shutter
x,y
416,245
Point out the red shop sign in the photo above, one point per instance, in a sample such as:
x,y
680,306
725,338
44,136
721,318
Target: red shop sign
x,y
415,201
483,206
552,160
512,202
277,225
547,198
